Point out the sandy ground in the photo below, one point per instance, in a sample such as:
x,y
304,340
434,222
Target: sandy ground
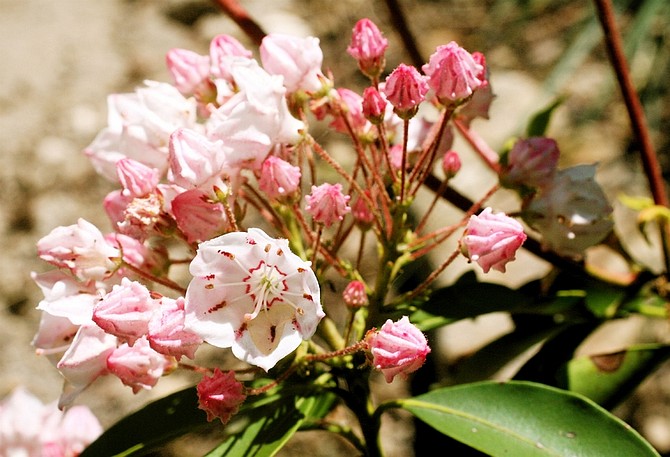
x,y
60,59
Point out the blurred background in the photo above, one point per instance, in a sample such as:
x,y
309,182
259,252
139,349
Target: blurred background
x,y
59,61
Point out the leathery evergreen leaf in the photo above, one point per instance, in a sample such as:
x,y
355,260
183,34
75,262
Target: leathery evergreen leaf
x,y
267,428
608,378
523,419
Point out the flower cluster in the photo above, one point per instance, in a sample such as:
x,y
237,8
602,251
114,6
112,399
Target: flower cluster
x,y
203,162
31,429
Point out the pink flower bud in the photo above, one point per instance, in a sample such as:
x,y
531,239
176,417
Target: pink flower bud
x,y
451,164
354,295
220,395
452,73
492,240
398,348
223,49
198,217
368,46
298,60
362,213
374,105
188,69
138,366
479,104
136,178
279,179
405,89
351,105
167,334
327,204
531,163
125,311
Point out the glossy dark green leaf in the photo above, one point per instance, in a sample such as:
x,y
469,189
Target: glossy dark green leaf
x,y
467,298
608,378
269,427
151,427
524,419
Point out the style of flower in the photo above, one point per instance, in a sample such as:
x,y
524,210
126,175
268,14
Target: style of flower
x,y
327,204
220,395
368,46
492,240
453,74
251,293
572,213
398,348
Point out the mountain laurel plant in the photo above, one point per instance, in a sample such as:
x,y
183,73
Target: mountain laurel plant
x,y
300,261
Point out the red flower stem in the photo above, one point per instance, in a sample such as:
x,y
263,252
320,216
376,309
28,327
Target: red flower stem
x,y
400,23
237,13
650,164
150,277
488,155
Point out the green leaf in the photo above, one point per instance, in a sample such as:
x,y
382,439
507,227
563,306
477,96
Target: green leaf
x,y
608,378
467,298
524,419
268,427
151,427
538,124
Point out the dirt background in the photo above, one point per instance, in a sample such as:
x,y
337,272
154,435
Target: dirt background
x,y
60,59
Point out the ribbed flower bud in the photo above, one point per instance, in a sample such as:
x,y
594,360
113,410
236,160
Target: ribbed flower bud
x,y
368,46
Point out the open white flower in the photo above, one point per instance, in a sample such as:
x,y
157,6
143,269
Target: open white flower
x,y
251,293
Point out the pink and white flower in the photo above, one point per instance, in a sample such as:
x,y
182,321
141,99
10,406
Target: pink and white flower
x,y
139,126
298,60
492,240
256,118
84,361
398,348
81,248
29,428
251,293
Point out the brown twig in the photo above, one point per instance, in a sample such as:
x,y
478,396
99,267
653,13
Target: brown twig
x,y
401,26
648,155
241,17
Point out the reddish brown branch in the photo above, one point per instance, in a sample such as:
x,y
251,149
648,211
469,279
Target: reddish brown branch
x,y
648,155
241,17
